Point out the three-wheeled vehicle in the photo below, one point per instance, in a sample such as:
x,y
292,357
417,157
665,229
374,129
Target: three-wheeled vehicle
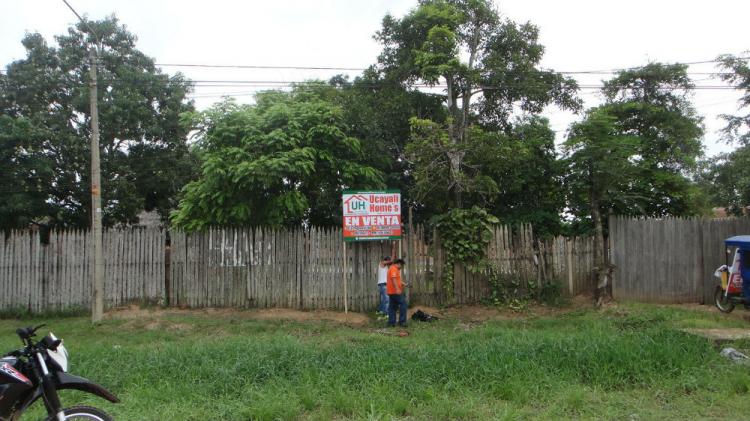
x,y
729,291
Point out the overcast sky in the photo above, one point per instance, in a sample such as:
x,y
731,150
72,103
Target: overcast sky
x,y
578,35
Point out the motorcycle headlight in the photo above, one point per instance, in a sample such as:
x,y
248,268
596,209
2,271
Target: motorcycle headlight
x,y
60,355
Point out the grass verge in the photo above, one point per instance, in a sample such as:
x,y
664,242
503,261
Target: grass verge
x,y
628,362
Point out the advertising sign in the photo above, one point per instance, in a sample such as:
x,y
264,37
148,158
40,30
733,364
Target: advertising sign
x,y
372,215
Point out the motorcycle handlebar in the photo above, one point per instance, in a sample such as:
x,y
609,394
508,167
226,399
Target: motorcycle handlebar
x,y
28,332
15,353
24,332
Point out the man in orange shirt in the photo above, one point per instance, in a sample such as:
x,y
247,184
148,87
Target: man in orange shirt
x,y
396,299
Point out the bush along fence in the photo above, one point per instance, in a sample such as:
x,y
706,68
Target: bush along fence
x,y
261,268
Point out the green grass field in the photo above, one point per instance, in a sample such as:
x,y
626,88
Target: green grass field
x,y
630,362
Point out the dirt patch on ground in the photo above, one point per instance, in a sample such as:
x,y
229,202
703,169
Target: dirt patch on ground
x,y
350,318
467,315
470,314
152,318
721,335
153,315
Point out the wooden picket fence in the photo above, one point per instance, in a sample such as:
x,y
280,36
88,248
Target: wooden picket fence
x,y
305,268
38,277
262,268
662,260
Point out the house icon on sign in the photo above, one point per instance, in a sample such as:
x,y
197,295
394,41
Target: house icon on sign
x,y
356,204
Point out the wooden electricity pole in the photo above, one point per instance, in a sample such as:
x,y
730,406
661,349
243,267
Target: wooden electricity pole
x,y
97,265
97,272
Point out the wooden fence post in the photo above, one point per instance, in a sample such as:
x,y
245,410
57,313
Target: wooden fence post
x,y
346,298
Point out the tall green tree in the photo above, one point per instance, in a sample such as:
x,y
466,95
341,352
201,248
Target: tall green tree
x,y
738,75
144,156
25,172
653,104
601,166
377,111
530,177
281,162
488,66
727,176
515,174
726,180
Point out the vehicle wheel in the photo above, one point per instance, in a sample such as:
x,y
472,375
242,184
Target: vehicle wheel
x,y
723,303
87,413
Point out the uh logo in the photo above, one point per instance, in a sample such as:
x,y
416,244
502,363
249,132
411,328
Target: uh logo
x,y
356,204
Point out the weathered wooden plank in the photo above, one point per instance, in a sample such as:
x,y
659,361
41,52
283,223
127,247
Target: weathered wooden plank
x,y
303,269
309,288
4,278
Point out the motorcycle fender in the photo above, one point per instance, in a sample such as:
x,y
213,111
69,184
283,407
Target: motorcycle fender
x,y
69,381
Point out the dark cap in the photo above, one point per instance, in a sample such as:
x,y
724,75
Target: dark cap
x,y
387,258
399,261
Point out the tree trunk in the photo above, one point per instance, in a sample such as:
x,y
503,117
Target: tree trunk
x,y
602,271
454,134
455,158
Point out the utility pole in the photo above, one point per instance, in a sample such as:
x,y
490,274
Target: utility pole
x,y
97,265
97,272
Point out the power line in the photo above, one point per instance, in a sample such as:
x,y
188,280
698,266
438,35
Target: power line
x,y
295,67
274,67
268,67
250,83
312,84
262,67
617,70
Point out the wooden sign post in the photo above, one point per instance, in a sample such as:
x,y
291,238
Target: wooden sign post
x,y
346,295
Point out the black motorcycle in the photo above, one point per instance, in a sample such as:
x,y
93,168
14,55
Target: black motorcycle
x,y
39,370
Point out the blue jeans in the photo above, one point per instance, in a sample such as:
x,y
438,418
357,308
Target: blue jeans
x,y
383,307
396,301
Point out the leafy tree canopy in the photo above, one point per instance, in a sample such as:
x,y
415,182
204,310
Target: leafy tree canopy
x,y
281,162
726,178
738,127
377,111
601,163
468,46
44,111
601,167
651,106
490,69
515,174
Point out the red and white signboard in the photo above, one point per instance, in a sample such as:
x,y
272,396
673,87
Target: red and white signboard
x,y
372,215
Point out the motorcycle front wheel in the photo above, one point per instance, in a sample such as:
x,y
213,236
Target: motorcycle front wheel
x,y
84,413
723,303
